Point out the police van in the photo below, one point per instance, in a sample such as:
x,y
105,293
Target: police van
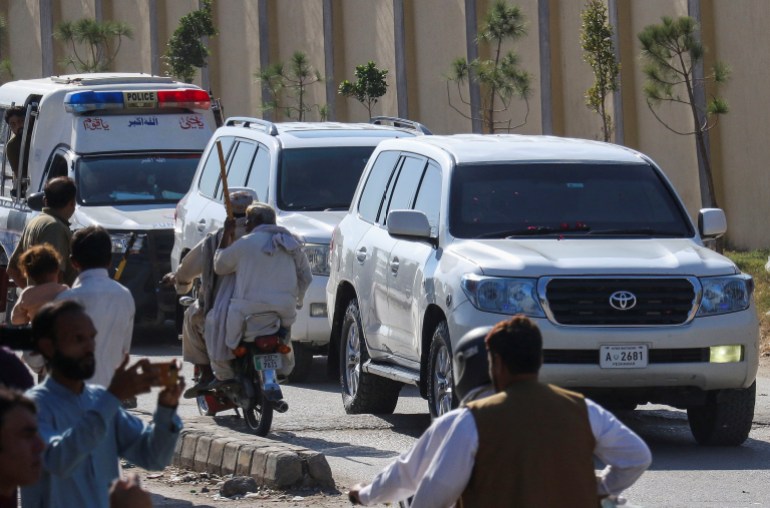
x,y
131,142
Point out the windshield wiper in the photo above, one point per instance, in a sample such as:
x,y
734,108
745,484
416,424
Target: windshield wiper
x,y
531,231
634,232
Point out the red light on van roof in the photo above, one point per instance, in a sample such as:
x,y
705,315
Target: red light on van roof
x,y
185,98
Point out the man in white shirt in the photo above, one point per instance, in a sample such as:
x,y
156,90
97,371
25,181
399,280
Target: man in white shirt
x,y
108,303
530,444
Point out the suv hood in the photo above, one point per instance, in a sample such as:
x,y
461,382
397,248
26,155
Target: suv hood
x,y
314,227
126,217
537,258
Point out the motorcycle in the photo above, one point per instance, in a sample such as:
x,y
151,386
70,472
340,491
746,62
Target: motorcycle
x,y
255,391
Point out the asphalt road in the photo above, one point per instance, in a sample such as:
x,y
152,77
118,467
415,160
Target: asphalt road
x,y
683,474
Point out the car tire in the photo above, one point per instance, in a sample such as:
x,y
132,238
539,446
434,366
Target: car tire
x,y
303,362
441,396
725,419
362,392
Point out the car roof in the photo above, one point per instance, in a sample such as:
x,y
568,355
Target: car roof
x,y
475,148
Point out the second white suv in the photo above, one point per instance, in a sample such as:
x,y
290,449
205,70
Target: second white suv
x,y
308,172
588,239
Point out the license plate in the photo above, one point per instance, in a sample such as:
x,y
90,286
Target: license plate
x,y
267,362
623,357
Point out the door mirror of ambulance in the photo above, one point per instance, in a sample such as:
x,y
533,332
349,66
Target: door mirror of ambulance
x,y
36,201
712,223
408,223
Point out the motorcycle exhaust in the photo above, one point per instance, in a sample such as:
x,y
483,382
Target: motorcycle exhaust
x,y
281,406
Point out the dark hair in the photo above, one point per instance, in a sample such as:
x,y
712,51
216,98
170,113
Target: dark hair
x,y
39,261
92,247
59,191
14,111
44,322
518,343
10,400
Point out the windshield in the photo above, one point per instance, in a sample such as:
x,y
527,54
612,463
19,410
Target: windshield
x,y
134,179
563,199
316,179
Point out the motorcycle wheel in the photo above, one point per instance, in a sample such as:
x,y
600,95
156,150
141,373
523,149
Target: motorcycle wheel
x,y
259,415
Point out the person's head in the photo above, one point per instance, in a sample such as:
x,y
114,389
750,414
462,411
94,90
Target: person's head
x,y
91,248
14,117
240,199
21,447
64,335
60,195
258,214
40,264
515,349
470,364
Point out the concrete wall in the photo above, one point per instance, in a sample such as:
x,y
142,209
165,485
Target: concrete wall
x,y
434,34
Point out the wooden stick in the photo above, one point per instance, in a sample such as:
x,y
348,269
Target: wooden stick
x,y
223,176
124,259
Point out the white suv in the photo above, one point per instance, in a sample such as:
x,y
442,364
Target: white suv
x,y
447,233
308,173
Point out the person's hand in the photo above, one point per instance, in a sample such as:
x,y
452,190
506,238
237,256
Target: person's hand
x,y
168,280
353,494
228,233
128,493
169,396
132,381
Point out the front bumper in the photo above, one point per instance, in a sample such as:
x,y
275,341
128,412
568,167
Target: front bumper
x,y
313,329
678,354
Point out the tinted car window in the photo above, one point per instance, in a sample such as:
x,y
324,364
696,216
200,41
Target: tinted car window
x,y
210,174
429,196
259,176
317,179
501,200
376,183
408,179
239,165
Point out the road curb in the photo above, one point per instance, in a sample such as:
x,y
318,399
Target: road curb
x,y
206,447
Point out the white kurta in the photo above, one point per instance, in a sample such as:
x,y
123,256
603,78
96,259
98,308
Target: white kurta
x,y
110,306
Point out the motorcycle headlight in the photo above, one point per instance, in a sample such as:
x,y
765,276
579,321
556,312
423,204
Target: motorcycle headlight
x,y
318,256
722,295
503,295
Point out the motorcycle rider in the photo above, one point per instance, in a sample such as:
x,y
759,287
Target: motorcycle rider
x,y
272,275
197,347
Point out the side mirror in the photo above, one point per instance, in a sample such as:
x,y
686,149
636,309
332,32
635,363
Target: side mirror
x,y
36,201
408,223
712,223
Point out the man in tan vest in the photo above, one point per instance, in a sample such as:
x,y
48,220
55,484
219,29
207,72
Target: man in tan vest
x,y
530,444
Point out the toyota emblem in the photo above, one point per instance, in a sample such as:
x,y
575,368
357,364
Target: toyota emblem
x,y
622,300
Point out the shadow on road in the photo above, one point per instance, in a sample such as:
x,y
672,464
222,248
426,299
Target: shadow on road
x,y
167,502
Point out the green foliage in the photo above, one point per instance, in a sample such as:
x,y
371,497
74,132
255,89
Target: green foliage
x,y
753,263
599,53
5,63
369,86
186,51
671,50
94,43
500,78
288,87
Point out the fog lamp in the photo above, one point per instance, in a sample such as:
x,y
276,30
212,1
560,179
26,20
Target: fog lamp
x,y
726,354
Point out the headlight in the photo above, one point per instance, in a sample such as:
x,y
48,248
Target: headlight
x,y
120,243
318,256
722,295
503,295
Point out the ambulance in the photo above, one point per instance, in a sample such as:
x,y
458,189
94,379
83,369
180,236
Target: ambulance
x,y
132,143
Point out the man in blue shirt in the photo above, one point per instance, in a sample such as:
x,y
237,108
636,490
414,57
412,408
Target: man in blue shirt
x,y
84,427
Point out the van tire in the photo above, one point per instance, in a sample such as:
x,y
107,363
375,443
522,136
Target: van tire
x,y
441,395
725,419
362,392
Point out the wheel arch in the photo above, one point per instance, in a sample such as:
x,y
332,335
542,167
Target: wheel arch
x,y
345,293
433,316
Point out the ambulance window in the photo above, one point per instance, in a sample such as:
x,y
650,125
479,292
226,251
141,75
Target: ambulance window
x,y
259,177
58,167
239,165
210,174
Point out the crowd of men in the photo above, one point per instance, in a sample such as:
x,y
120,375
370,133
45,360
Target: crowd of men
x,y
61,441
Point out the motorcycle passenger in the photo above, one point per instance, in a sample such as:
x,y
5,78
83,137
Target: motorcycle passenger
x,y
197,347
272,275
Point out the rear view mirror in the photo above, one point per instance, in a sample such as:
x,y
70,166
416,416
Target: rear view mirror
x,y
36,201
712,223
409,223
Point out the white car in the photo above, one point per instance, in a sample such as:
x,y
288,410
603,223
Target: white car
x,y
588,239
308,172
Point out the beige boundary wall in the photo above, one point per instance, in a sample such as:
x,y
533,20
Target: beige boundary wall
x,y
417,40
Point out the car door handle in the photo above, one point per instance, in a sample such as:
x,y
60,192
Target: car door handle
x,y
361,255
394,266
201,225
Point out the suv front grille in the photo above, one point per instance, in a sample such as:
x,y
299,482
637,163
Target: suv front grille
x,y
585,301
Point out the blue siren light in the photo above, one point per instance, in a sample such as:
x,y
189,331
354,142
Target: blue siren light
x,y
81,102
